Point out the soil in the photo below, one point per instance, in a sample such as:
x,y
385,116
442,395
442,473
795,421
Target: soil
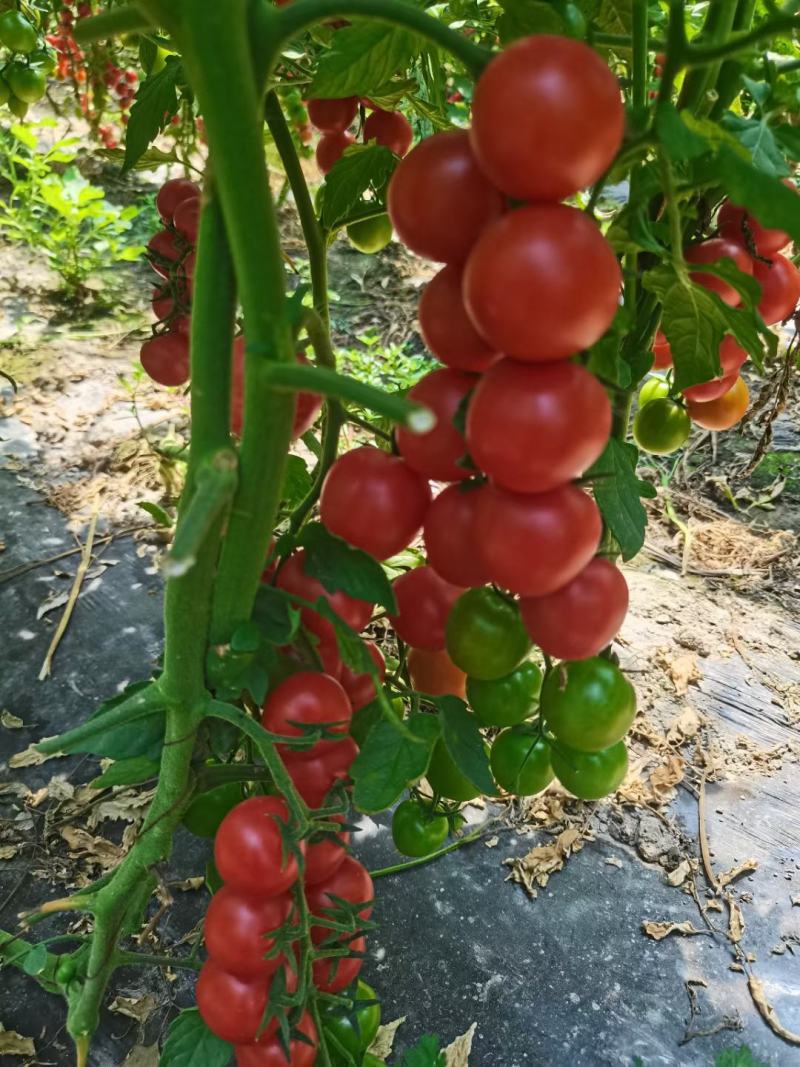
x,y
538,933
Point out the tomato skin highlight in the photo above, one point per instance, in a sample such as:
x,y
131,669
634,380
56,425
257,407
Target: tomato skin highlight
x,y
484,634
589,704
582,617
390,129
724,412
416,831
232,1008
374,501
446,328
435,454
542,283
508,700
331,147
424,601
186,219
164,252
590,775
547,118
308,697
332,116
173,193
270,1053
450,540
533,544
435,673
520,761
533,427
436,184
248,848
710,251
717,387
236,929
780,288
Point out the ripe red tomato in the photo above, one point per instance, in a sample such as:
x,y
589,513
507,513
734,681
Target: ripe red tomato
x,y
248,848
711,390
164,301
533,544
374,501
292,578
435,673
542,283
270,1053
164,252
725,411
172,193
335,973
186,219
332,116
532,427
731,355
662,352
423,604
307,405
389,128
710,251
449,535
330,149
308,697
447,329
547,118
315,776
232,1008
583,616
350,881
780,288
439,200
736,223
435,454
236,929
324,853
360,688
165,357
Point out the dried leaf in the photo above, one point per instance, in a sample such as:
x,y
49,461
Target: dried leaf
x,y
492,842
745,867
795,901
384,1039
188,884
457,1053
142,1056
683,670
11,722
534,868
684,727
29,757
658,931
767,1012
138,1008
713,905
101,852
8,852
665,778
683,871
613,861
735,920
14,1044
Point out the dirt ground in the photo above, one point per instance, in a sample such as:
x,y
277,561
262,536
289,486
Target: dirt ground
x,y
712,644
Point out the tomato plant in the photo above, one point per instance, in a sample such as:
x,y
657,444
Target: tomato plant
x,y
416,829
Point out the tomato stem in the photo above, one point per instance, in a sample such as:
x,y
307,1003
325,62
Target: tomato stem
x,y
467,839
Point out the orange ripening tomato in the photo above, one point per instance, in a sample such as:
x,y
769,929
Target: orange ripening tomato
x,y
436,674
724,412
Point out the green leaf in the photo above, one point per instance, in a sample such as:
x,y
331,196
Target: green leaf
x,y
677,139
389,761
191,1044
464,742
523,17
737,1057
296,481
750,332
744,284
363,57
617,490
788,137
127,772
362,169
141,734
424,1054
615,16
162,517
156,102
606,362
758,138
768,199
339,566
277,617
692,323
35,961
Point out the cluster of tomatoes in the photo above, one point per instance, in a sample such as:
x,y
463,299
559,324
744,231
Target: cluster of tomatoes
x,y
165,356
663,422
23,72
332,118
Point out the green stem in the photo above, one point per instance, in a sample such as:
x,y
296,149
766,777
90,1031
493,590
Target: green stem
x,y
215,485
139,705
780,26
302,14
701,82
117,21
673,212
467,839
729,80
641,58
146,959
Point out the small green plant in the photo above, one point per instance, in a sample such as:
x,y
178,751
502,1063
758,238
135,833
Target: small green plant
x,y
52,207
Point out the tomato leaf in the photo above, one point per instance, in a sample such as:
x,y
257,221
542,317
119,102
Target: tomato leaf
x,y
750,332
758,138
130,771
277,617
425,1053
463,740
339,566
678,140
191,1044
363,57
296,481
692,323
362,169
617,490
389,761
156,102
788,137
142,734
606,362
523,17
163,518
769,200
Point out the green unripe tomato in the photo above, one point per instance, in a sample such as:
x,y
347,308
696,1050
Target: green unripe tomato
x,y
506,701
654,388
484,634
417,830
589,704
661,426
17,33
445,778
27,83
207,810
520,761
371,235
5,92
590,775
354,1030
17,107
